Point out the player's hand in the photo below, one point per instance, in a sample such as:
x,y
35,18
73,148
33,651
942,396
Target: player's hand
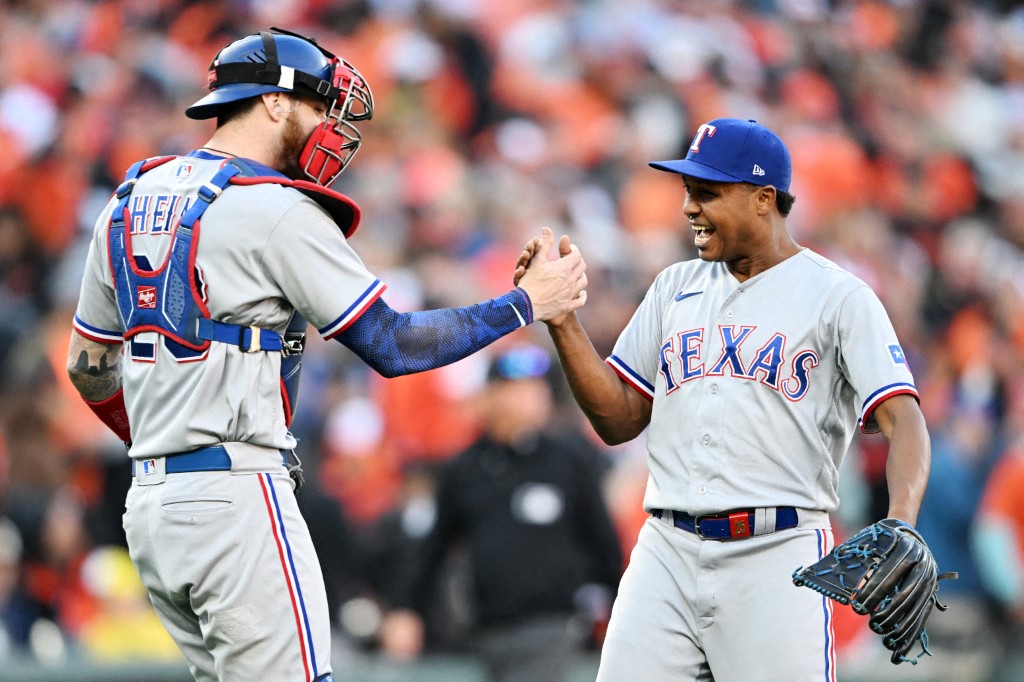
x,y
555,287
401,635
525,257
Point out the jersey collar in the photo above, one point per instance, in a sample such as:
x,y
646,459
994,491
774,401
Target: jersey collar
x,y
259,168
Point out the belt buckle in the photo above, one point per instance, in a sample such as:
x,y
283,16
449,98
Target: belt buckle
x,y
696,527
739,525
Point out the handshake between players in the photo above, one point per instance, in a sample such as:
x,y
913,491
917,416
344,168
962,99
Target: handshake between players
x,y
543,283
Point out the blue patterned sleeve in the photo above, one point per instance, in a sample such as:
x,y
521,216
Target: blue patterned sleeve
x,y
395,344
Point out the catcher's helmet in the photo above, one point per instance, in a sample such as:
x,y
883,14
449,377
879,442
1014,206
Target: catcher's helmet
x,y
281,61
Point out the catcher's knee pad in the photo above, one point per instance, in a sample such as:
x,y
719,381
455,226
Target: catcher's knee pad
x,y
326,677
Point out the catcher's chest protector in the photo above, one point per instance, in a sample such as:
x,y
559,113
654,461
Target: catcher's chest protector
x,y
170,300
166,299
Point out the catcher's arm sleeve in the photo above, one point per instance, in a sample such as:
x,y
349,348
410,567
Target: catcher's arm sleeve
x,y
396,344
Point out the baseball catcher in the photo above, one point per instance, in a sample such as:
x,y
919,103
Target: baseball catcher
x,y
886,572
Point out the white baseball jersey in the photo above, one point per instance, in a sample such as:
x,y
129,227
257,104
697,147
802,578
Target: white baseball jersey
x,y
264,251
757,386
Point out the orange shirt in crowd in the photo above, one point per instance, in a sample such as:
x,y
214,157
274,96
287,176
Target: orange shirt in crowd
x,y
1002,498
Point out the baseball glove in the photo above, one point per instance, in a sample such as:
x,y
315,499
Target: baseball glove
x,y
886,572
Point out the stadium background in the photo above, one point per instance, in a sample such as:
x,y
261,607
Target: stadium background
x,y
906,124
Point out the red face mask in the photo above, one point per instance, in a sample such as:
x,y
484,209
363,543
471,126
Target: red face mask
x,y
332,145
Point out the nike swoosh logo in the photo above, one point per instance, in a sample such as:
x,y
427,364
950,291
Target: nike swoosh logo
x,y
680,296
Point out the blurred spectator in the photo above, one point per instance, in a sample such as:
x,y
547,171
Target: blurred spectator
x,y
337,548
122,625
999,534
527,506
998,541
444,617
22,278
18,612
52,572
964,447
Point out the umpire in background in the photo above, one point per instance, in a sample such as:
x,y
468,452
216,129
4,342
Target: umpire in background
x,y
527,507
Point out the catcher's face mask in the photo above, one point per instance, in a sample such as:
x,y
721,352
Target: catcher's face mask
x,y
282,61
333,143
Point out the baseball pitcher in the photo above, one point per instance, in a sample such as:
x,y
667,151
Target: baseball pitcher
x,y
749,367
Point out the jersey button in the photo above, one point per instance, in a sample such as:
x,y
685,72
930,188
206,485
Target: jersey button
x,y
729,314
706,440
702,490
714,388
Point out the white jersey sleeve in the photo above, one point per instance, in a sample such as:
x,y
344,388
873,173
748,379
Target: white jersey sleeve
x,y
97,317
635,356
870,355
318,271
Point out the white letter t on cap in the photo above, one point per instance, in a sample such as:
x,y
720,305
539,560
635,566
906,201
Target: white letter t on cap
x,y
705,129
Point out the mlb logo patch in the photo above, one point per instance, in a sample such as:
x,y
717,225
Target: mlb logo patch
x,y
149,471
147,297
184,170
898,358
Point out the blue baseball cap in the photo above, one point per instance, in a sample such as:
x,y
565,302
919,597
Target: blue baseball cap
x,y
522,362
734,150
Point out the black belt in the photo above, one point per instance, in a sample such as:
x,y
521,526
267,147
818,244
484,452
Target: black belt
x,y
732,525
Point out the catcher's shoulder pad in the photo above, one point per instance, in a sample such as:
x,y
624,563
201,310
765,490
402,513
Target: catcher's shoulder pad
x,y
343,210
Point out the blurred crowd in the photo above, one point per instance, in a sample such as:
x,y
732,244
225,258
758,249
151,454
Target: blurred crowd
x,y
905,119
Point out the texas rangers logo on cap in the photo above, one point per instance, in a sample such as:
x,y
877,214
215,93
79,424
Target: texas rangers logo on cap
x,y
147,297
734,150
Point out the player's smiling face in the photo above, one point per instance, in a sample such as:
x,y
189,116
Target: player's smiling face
x,y
723,219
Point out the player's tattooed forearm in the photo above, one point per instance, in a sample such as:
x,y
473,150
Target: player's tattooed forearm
x,y
97,380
